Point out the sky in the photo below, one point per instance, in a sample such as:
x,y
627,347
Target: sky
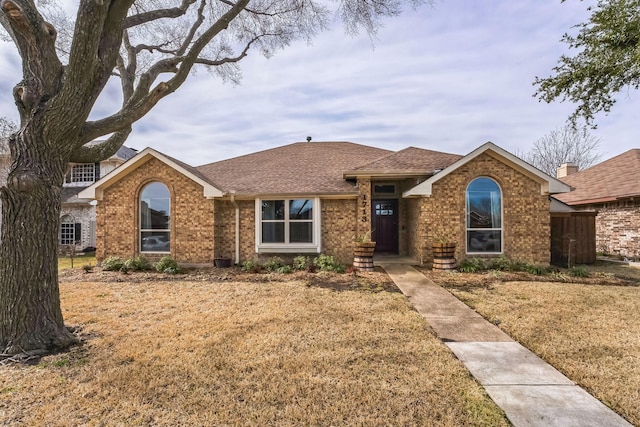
x,y
446,77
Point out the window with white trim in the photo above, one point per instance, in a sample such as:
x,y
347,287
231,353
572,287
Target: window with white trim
x,y
287,224
70,231
155,218
484,216
81,173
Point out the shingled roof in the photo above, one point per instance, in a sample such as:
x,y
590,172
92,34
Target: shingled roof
x,y
409,161
298,168
613,179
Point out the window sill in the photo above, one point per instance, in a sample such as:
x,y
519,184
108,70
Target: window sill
x,y
288,249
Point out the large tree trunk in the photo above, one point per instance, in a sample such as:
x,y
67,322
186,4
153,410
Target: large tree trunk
x,y
30,313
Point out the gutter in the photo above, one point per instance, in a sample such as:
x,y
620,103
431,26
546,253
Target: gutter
x,y
237,227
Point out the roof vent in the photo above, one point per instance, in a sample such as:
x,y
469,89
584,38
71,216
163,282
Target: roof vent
x,y
308,139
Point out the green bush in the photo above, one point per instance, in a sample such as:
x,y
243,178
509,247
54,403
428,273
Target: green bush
x,y
273,264
501,263
538,270
167,265
579,271
285,269
472,265
112,263
138,263
250,266
301,263
328,263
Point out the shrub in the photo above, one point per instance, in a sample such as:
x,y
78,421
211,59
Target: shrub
x,y
167,265
472,265
250,265
501,263
579,271
273,264
112,263
88,268
301,263
285,269
328,263
138,263
538,270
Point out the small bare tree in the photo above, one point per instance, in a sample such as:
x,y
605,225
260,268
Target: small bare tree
x,y
566,144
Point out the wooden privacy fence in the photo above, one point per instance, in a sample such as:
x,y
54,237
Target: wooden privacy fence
x,y
573,238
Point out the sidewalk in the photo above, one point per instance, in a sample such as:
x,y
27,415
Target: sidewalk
x,y
530,391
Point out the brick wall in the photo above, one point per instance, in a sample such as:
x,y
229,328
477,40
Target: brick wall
x,y
191,216
339,227
526,219
618,228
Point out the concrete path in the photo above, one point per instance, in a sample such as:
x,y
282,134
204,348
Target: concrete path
x,y
530,391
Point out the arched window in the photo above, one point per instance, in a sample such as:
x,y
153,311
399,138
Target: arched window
x,y
155,215
484,216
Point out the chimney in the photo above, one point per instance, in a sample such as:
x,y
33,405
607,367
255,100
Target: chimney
x,y
566,169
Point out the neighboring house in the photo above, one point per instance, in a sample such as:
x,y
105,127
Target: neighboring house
x,y
612,188
77,215
315,197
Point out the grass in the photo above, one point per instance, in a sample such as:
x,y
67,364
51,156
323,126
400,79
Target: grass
x,y
79,260
590,332
282,353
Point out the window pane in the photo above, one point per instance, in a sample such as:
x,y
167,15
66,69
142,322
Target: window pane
x,y
67,233
273,209
155,241
301,209
301,232
484,241
155,207
484,204
273,232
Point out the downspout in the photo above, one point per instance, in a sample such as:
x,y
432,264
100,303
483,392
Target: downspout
x,y
237,227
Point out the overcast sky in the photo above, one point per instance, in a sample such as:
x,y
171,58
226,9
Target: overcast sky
x,y
447,77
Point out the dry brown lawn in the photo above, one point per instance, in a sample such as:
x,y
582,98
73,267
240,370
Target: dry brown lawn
x,y
215,349
589,329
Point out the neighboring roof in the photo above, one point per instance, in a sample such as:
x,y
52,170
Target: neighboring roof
x,y
548,184
613,179
69,196
298,168
125,153
410,161
95,190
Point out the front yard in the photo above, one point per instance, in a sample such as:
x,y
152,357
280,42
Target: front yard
x,y
588,328
220,348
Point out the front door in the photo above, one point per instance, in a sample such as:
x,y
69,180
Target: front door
x,y
384,218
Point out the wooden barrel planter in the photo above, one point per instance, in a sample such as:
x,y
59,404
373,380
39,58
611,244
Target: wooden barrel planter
x,y
444,256
363,255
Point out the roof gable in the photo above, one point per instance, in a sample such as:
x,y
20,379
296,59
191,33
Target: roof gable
x,y
616,178
95,191
409,161
548,184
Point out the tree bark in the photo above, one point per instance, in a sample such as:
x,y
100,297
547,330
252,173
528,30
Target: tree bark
x,y
30,313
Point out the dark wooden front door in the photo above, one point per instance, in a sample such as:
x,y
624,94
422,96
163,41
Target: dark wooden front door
x,y
384,218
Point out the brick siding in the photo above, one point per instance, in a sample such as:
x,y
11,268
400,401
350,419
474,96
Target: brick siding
x,y
526,218
203,229
191,216
617,227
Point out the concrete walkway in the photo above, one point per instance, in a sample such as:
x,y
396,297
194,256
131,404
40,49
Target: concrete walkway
x,y
530,391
